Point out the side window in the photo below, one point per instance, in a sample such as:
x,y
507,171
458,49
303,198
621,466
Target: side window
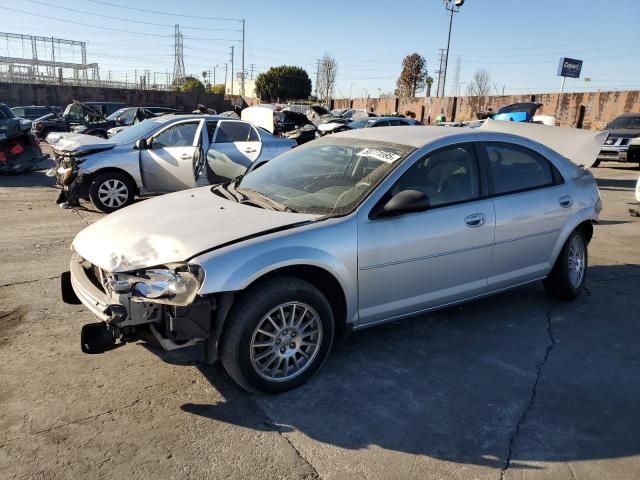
x,y
233,132
446,176
398,123
181,135
18,112
384,123
514,168
127,116
211,130
253,135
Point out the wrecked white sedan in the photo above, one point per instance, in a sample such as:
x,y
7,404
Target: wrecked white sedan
x,y
340,234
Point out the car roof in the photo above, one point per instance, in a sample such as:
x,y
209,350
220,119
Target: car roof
x,y
631,114
415,136
189,116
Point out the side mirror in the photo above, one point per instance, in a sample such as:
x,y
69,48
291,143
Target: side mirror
x,y
141,144
406,201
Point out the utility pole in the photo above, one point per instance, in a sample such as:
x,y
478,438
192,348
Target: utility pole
x,y
317,75
452,6
252,67
242,78
226,65
178,59
231,69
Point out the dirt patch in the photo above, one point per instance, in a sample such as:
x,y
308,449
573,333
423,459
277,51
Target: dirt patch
x,y
9,320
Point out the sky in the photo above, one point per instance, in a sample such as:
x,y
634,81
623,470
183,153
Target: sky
x,y
519,42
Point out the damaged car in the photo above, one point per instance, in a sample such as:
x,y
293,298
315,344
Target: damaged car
x,y
340,234
19,148
159,155
89,118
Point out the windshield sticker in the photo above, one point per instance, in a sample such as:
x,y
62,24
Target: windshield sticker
x,y
381,155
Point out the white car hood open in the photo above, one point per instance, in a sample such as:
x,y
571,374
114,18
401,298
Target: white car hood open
x,y
173,228
77,142
579,146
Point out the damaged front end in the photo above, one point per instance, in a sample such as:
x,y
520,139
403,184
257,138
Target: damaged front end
x,y
158,304
19,149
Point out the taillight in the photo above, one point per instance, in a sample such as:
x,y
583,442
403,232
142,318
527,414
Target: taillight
x,y
3,157
17,149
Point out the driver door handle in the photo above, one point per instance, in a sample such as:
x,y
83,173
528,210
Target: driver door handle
x,y
566,201
250,150
185,156
476,220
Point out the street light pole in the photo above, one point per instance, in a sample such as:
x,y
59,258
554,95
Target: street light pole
x,y
455,8
214,75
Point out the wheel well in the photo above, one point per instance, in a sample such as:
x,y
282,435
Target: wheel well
x,y
327,284
114,170
587,229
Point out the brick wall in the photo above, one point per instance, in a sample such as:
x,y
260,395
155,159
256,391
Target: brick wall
x,y
15,94
599,107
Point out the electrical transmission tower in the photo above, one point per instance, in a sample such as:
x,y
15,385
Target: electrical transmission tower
x,y
178,61
456,77
440,72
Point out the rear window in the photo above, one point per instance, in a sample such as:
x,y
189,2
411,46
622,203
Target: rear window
x,y
514,168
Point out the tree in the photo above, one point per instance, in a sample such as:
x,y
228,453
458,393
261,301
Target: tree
x,y
192,84
479,87
327,71
217,89
480,84
429,82
283,83
413,76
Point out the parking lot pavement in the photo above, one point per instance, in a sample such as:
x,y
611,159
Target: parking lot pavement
x,y
514,386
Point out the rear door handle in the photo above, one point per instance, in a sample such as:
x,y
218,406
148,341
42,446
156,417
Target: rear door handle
x,y
476,220
566,201
250,150
185,156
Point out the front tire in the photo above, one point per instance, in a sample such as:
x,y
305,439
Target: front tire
x,y
566,280
277,335
111,191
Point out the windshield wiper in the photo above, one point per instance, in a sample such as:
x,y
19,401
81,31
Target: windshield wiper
x,y
260,199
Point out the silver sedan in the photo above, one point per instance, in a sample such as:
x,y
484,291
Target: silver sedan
x,y
161,155
340,234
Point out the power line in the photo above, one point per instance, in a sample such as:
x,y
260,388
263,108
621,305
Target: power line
x,y
84,12
158,12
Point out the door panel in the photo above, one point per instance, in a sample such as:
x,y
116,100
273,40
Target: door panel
x,y
235,147
168,164
527,229
532,206
417,261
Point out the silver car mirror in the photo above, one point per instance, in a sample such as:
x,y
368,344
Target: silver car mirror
x,y
141,144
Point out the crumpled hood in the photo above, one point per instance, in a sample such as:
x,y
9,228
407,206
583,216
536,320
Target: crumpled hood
x,y
76,142
173,228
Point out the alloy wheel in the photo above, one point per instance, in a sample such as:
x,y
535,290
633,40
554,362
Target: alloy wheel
x,y
577,261
286,341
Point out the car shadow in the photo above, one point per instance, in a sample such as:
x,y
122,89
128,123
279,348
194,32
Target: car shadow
x,y
31,179
616,183
516,376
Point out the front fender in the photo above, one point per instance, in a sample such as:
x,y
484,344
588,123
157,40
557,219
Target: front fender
x,y
127,160
331,247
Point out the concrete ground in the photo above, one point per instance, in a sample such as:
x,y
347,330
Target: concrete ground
x,y
516,386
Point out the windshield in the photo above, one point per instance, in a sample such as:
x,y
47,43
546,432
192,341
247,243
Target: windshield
x,y
133,133
364,123
631,123
325,177
116,114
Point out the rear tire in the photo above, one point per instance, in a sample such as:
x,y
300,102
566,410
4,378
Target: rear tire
x,y
566,280
111,191
269,344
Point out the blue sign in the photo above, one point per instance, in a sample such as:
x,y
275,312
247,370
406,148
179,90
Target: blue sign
x,y
569,67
